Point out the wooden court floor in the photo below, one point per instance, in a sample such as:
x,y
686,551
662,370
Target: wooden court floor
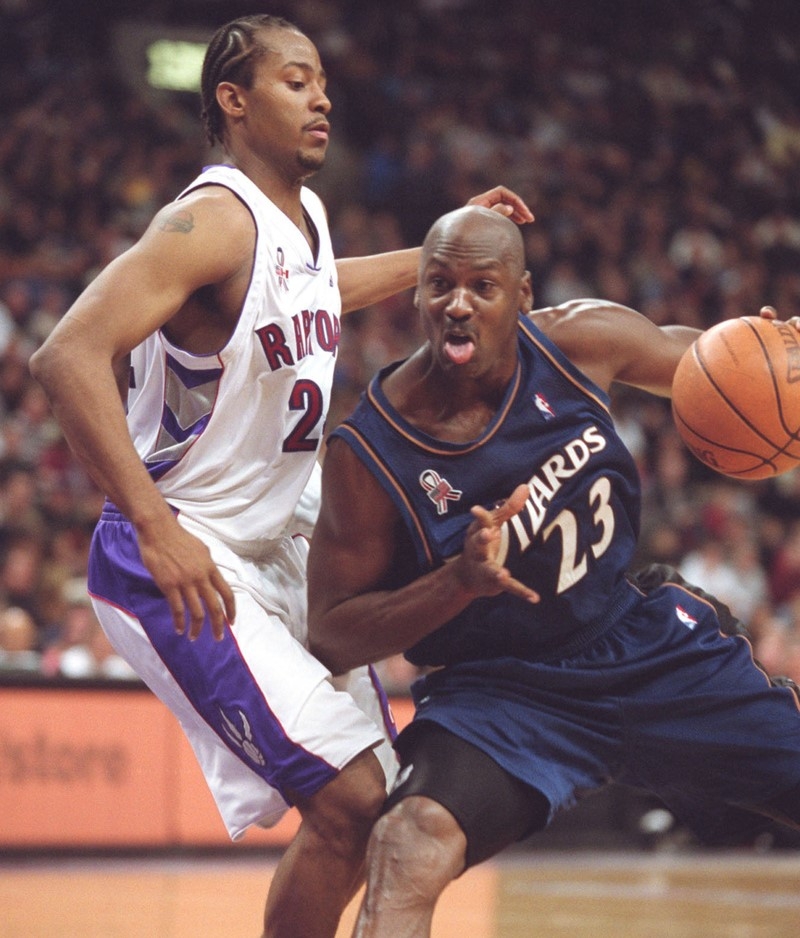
x,y
537,894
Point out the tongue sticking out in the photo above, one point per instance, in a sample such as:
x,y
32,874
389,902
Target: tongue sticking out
x,y
459,350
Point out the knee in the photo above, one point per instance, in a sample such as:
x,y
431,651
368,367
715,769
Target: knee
x,y
343,811
419,846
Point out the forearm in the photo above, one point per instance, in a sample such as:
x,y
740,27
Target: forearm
x,y
367,280
662,368
375,625
682,335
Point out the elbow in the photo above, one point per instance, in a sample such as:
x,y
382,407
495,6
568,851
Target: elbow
x,y
37,364
327,649
41,366
329,656
49,362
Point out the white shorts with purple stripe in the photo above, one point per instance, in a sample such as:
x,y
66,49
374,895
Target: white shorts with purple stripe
x,y
263,716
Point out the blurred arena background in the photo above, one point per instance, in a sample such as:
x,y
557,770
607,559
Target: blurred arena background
x,y
659,146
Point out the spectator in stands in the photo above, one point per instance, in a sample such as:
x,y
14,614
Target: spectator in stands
x,y
81,648
21,565
784,574
18,641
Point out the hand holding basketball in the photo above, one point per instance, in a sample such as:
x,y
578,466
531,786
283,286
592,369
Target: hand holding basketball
x,y
736,397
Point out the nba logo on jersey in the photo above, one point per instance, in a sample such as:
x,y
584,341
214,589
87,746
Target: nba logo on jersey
x,y
281,271
544,408
689,621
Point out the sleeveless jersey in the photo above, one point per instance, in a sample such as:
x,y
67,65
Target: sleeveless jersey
x,y
231,438
573,541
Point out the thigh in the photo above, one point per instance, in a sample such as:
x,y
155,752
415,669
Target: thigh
x,y
551,725
242,795
255,701
492,807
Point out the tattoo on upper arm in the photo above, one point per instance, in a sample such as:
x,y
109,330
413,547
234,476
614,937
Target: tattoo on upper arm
x,y
180,220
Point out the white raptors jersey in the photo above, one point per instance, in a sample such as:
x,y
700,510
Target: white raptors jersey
x,y
231,438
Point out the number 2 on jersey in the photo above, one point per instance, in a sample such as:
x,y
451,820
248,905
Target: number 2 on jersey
x,y
307,397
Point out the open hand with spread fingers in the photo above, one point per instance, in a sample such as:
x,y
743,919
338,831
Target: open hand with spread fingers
x,y
478,568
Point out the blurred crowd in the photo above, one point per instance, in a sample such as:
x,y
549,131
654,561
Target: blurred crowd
x,y
658,144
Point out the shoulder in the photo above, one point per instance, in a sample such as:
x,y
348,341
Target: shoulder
x,y
580,315
352,497
578,326
209,224
212,204
599,337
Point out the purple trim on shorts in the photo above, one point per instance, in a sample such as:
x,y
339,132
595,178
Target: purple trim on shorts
x,y
386,710
213,675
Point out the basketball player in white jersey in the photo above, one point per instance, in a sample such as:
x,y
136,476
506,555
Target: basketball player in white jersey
x,y
221,326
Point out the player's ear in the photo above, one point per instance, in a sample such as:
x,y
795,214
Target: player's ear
x,y
229,99
526,293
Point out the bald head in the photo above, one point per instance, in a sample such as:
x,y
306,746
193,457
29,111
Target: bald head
x,y
472,288
476,231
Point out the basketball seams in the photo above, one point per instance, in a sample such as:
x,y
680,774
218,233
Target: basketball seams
x,y
760,461
723,396
766,354
731,403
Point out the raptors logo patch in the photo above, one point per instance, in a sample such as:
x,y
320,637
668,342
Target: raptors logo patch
x,y
242,738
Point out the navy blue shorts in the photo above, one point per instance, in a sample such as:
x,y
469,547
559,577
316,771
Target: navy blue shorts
x,y
663,700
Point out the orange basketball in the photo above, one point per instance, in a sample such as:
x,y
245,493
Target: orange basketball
x,y
736,398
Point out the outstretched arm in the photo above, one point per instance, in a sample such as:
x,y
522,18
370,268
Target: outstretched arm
x,y
355,617
610,342
613,343
653,368
367,280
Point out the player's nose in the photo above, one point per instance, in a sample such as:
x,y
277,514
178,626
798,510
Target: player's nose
x,y
320,101
459,305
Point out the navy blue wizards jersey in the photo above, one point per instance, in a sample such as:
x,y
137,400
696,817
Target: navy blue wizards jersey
x,y
573,541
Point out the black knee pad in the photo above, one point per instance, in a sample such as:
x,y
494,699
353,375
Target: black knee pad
x,y
492,807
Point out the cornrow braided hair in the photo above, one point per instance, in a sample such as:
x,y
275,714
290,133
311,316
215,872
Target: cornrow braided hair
x,y
231,56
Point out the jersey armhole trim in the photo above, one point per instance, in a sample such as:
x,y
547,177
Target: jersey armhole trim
x,y
358,443
572,374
